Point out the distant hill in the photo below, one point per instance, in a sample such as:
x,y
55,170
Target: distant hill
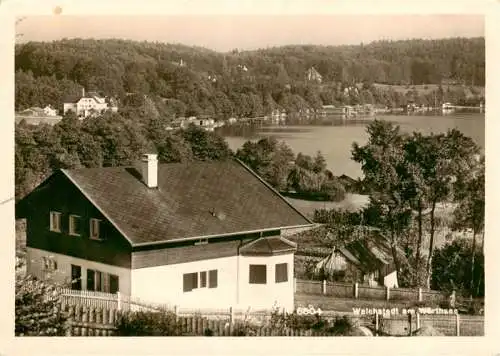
x,y
182,80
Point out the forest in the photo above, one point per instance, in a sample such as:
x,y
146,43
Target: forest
x,y
178,80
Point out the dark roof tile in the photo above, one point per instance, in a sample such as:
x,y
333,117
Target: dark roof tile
x,y
193,199
268,246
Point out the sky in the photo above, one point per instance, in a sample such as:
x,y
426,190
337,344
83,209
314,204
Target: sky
x,y
226,32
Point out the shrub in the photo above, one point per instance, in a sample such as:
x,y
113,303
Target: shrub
x,y
38,311
147,324
341,326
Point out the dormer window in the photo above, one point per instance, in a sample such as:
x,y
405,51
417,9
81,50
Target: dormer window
x,y
95,229
55,221
74,225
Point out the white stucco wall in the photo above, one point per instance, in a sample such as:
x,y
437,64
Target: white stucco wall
x,y
164,284
70,106
265,295
34,266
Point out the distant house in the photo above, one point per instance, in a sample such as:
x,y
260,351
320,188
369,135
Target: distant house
x,y
243,67
350,184
88,104
49,111
33,111
36,116
313,75
278,115
199,234
368,260
205,123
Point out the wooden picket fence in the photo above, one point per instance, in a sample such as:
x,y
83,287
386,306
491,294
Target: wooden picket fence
x,y
108,300
359,291
98,321
94,314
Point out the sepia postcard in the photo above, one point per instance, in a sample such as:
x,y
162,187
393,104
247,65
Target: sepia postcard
x,y
311,175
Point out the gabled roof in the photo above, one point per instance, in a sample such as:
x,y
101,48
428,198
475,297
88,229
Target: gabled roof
x,y
266,246
369,253
193,200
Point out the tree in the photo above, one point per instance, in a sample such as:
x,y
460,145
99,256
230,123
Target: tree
x,y
319,163
417,149
470,212
270,159
451,269
121,140
304,161
206,145
173,148
450,160
384,168
37,307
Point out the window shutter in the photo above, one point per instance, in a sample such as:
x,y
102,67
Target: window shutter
x,y
114,283
187,282
76,277
194,276
258,274
281,272
98,281
212,279
90,279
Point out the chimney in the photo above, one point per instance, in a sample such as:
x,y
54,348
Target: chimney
x,y
149,170
83,92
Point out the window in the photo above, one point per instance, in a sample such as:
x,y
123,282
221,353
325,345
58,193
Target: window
x,y
258,274
98,281
203,279
74,225
190,281
199,280
55,221
281,272
212,278
114,285
90,279
95,229
76,277
102,282
49,264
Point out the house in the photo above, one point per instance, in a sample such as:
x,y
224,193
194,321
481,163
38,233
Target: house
x,y
313,75
89,104
243,67
199,234
33,111
205,123
367,260
36,116
49,111
278,115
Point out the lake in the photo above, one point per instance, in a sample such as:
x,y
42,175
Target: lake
x,y
335,137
